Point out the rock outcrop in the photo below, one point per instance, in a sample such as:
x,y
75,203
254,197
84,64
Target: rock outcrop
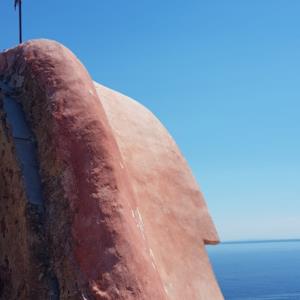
x,y
96,200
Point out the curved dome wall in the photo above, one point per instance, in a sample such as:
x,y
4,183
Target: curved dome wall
x,y
102,205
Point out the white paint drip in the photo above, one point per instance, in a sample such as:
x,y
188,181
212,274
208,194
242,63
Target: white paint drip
x,y
140,223
83,297
140,218
166,290
152,259
151,253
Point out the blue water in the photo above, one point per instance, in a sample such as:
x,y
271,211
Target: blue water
x,y
257,270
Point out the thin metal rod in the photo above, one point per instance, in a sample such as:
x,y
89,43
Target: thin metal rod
x,y
20,22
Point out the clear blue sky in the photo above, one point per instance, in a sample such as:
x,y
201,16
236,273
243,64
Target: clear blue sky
x,y
223,77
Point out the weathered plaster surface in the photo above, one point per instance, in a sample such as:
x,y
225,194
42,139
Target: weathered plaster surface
x,y
170,210
121,216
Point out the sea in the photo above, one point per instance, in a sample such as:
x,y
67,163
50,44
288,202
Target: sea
x,y
257,270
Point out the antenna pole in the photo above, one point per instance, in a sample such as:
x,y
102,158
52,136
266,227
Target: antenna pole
x,y
20,22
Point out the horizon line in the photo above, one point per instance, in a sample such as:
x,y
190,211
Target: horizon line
x,y
260,241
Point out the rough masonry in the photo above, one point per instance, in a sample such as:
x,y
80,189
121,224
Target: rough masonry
x,y
96,200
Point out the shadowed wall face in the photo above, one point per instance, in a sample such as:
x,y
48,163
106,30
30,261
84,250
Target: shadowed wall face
x,y
25,149
96,200
23,250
